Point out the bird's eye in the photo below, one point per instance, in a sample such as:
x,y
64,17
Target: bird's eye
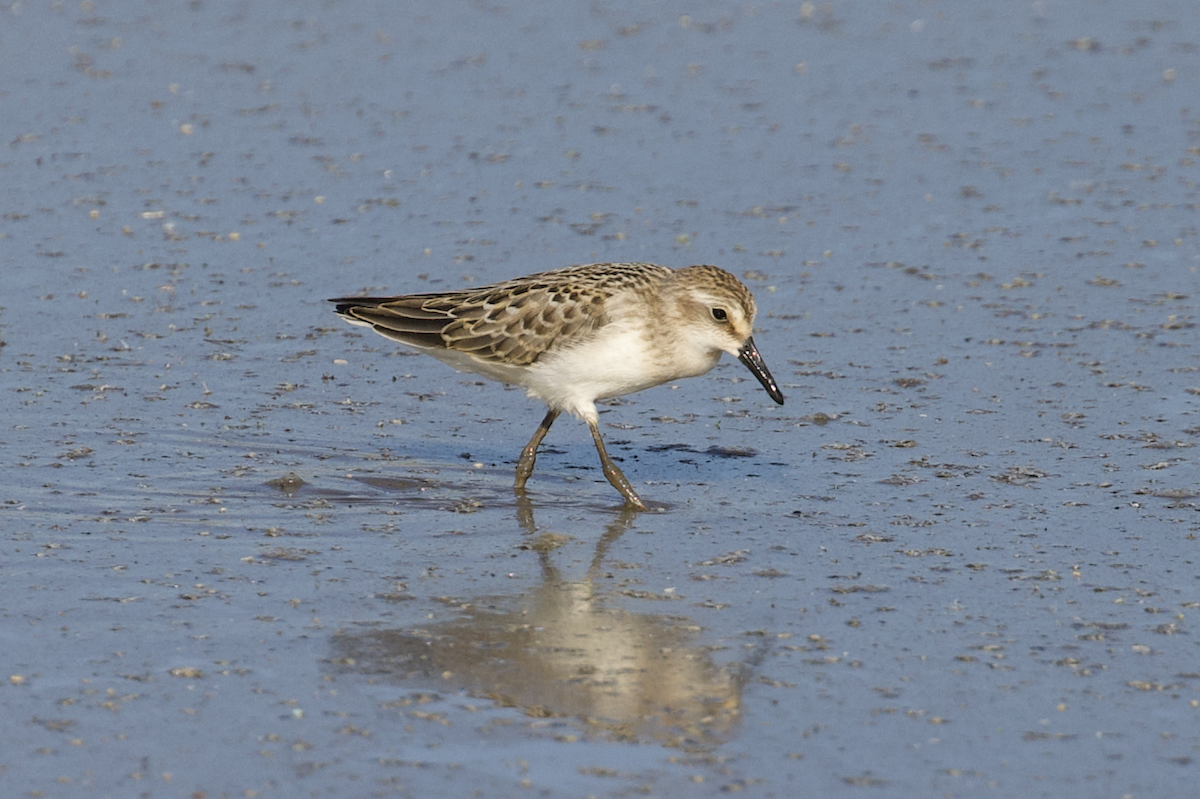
x,y
719,314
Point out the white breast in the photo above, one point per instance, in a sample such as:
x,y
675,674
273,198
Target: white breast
x,y
621,360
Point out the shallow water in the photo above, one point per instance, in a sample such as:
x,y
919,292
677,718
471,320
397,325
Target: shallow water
x,y
248,550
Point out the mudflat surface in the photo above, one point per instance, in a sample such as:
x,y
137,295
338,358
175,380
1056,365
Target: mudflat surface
x,y
247,550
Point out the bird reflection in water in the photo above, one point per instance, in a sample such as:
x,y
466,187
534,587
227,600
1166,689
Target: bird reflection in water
x,y
562,650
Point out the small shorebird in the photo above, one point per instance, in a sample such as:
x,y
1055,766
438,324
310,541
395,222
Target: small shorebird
x,y
572,336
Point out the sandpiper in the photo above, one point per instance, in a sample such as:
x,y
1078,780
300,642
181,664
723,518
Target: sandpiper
x,y
573,336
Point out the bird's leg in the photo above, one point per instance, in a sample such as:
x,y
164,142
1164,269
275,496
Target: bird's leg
x,y
614,474
529,454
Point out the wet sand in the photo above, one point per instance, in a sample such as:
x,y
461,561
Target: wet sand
x,y
248,550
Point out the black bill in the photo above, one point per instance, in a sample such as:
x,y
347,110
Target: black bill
x,y
748,355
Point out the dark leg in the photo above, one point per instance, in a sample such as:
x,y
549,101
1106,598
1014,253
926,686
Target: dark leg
x,y
613,473
529,454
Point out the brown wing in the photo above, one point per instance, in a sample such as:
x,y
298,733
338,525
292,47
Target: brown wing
x,y
516,324
512,322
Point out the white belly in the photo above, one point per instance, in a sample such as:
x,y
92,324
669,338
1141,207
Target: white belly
x,y
610,365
